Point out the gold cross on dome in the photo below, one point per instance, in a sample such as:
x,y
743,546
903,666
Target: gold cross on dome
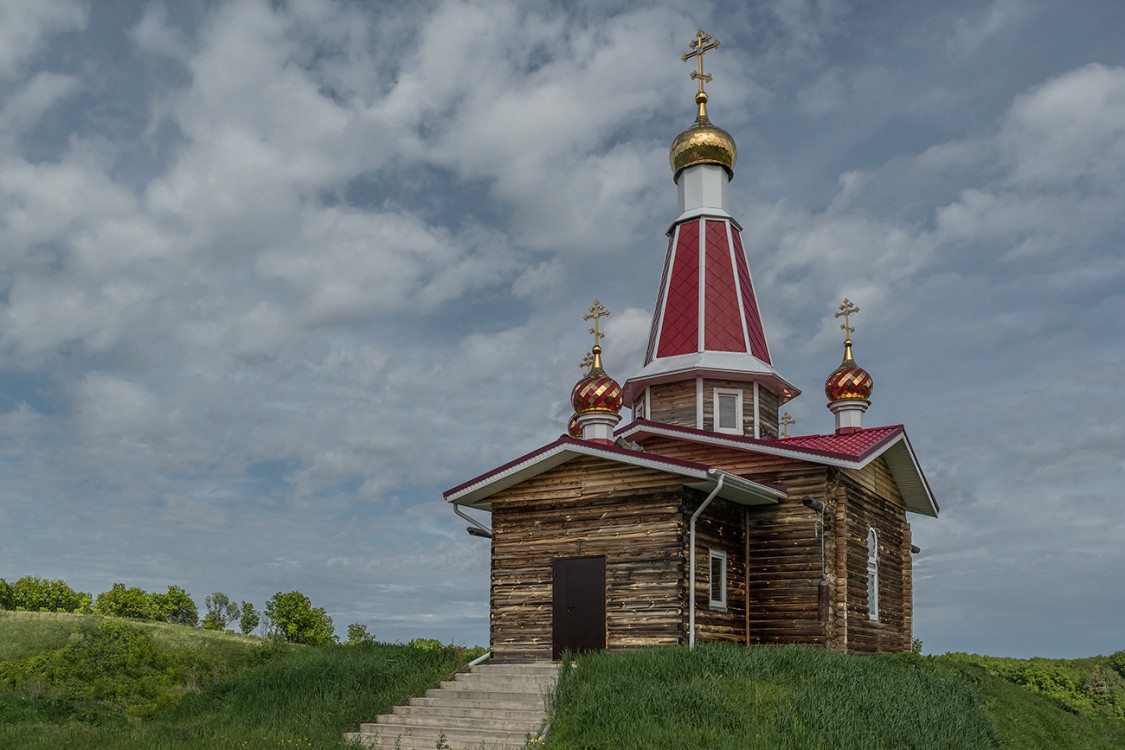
x,y
702,44
786,420
597,312
846,311
587,362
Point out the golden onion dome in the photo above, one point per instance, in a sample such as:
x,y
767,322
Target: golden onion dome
x,y
702,143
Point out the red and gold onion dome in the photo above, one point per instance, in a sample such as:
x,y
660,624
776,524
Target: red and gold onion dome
x,y
849,380
572,427
597,392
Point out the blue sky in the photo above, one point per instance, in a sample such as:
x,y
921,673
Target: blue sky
x,y
274,275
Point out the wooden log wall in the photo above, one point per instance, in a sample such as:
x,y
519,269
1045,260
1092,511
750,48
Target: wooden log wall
x,y
721,526
674,403
784,563
866,510
767,408
589,506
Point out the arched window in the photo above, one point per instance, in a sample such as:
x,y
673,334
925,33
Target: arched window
x,y
872,575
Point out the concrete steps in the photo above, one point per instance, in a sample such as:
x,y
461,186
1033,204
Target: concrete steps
x,y
492,707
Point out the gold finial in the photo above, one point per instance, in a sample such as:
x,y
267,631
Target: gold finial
x,y
587,362
786,420
597,312
846,311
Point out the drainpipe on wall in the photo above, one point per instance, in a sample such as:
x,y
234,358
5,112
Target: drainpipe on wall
x,y
691,554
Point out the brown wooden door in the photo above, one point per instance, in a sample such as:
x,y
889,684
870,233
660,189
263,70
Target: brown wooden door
x,y
579,605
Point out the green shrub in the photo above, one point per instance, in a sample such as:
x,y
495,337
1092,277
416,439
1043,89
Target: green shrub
x,y
120,601
175,607
34,594
292,618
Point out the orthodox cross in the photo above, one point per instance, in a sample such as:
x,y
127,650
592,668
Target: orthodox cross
x,y
587,362
786,420
846,311
702,44
597,312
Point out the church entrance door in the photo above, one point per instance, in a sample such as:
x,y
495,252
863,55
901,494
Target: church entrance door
x,y
579,605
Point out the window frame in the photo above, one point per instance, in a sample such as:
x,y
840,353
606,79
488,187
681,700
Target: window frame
x,y
872,574
721,556
716,424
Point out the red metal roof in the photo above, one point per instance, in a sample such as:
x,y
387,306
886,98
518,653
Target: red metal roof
x,y
855,445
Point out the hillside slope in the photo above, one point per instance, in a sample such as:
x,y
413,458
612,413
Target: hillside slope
x,y
92,682
794,697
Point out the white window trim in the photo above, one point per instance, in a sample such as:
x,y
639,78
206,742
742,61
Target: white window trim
x,y
737,429
872,575
713,555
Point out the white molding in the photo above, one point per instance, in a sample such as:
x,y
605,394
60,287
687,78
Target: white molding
x,y
664,293
757,413
738,290
713,603
699,403
872,575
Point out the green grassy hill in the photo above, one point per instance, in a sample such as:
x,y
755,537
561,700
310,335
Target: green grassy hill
x,y
82,681
793,697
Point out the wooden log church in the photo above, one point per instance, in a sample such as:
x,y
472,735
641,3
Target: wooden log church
x,y
701,519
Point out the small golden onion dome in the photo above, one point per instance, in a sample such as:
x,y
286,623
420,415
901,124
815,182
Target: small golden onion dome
x,y
702,143
597,392
572,427
849,380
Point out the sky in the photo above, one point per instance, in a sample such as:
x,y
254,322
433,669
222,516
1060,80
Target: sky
x,y
273,275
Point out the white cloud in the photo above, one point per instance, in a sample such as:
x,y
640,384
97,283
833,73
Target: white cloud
x,y
25,28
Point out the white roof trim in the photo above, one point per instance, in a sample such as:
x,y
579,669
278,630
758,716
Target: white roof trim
x,y
735,488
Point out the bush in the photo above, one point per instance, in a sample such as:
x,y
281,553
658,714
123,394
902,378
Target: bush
x,y
358,634
34,594
120,601
293,618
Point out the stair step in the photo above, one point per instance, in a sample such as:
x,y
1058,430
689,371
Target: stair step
x,y
457,711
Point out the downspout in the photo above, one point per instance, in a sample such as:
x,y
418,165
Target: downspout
x,y
473,521
691,553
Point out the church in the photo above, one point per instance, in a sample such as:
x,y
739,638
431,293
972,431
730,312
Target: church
x,y
701,519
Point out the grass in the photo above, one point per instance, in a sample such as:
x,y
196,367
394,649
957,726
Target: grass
x,y
796,697
109,684
173,687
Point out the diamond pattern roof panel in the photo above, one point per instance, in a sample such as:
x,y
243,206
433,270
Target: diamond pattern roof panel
x,y
679,333
651,352
750,303
723,320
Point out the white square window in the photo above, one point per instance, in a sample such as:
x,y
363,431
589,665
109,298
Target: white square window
x,y
728,410
718,583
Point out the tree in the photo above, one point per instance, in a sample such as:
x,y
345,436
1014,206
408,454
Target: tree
x,y
293,618
120,601
175,607
34,594
358,634
249,619
221,611
5,594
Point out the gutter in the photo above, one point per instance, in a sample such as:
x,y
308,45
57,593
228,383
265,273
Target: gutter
x,y
691,559
487,532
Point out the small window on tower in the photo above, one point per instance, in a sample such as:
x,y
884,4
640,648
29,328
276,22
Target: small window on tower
x,y
718,579
728,410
